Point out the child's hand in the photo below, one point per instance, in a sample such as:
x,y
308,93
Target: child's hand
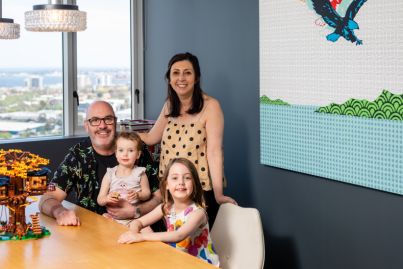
x,y
135,226
130,237
133,194
112,198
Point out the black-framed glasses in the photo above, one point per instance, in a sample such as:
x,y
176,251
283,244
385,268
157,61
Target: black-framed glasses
x,y
108,120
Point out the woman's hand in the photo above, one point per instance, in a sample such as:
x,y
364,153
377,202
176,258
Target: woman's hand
x,y
130,237
225,199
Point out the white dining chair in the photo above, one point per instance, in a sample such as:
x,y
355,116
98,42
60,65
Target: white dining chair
x,y
237,236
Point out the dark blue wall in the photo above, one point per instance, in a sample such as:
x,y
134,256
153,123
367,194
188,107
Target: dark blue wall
x,y
309,222
53,149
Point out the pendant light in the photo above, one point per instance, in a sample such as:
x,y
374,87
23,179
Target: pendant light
x,y
8,29
55,17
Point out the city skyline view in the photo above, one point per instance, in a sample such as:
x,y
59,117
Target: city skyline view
x,y
31,79
31,102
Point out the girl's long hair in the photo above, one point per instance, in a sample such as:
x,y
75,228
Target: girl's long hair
x,y
197,194
174,106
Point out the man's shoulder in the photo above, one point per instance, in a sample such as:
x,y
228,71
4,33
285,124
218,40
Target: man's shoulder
x,y
82,147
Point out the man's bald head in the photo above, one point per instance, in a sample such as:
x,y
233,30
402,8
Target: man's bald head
x,y
99,106
102,128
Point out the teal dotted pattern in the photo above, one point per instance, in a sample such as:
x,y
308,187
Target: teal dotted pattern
x,y
361,151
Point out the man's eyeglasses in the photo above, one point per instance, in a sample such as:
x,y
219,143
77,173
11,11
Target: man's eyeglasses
x,y
109,120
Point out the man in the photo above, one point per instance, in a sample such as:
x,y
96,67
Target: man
x,y
81,172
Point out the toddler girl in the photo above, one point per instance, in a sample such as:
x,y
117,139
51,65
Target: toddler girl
x,y
126,180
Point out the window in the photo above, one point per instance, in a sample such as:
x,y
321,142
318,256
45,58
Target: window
x,y
103,57
31,92
40,73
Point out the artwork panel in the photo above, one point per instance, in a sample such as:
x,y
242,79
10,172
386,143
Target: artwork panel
x,y
333,108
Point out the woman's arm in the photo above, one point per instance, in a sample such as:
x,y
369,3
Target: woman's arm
x,y
155,134
215,132
195,220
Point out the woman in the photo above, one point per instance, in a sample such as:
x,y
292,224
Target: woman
x,y
191,125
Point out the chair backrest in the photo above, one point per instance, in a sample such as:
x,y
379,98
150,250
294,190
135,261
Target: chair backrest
x,y
237,236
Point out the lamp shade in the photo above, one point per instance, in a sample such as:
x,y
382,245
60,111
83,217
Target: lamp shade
x,y
55,18
9,29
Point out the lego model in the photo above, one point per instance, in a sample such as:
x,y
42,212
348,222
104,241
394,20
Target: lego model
x,y
21,178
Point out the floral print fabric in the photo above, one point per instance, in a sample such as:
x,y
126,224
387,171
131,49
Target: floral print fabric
x,y
199,243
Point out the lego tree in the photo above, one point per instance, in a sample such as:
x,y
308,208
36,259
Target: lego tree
x,y
22,174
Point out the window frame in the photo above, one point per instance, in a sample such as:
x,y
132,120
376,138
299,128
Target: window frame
x,y
69,70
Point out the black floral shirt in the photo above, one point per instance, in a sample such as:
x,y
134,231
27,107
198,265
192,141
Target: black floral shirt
x,y
77,175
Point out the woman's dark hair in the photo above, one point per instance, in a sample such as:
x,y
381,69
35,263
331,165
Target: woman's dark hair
x,y
173,99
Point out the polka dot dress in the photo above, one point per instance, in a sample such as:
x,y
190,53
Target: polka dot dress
x,y
186,140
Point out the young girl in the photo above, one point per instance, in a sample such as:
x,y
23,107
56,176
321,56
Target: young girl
x,y
183,211
126,180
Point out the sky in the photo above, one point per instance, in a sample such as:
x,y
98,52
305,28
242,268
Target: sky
x,y
105,42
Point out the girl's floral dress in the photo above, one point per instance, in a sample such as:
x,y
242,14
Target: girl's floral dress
x,y
199,243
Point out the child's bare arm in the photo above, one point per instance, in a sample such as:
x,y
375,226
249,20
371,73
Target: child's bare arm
x,y
145,192
142,193
135,226
196,219
138,224
104,196
151,217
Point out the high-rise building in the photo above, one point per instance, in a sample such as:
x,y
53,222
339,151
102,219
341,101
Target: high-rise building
x,y
104,79
34,82
83,81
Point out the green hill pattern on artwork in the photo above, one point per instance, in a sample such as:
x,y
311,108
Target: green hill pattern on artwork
x,y
266,100
387,106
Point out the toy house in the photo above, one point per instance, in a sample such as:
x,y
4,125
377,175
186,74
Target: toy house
x,y
20,177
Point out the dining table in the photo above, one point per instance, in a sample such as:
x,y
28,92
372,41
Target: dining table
x,y
92,245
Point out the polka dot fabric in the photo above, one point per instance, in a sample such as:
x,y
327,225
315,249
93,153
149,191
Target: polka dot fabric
x,y
186,140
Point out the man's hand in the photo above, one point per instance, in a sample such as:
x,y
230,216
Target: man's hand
x,y
50,204
122,210
125,210
66,217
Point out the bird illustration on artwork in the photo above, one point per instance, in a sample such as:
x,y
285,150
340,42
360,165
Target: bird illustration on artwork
x,y
344,26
